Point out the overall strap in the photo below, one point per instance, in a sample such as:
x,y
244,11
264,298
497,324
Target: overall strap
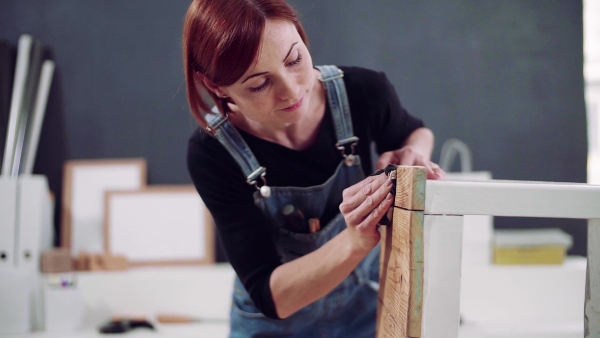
x,y
230,138
332,78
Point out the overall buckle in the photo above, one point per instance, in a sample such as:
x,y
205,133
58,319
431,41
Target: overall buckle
x,y
265,191
349,159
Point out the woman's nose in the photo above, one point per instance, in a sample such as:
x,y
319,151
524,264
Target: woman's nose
x,y
289,88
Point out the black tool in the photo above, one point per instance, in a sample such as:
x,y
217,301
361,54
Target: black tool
x,y
124,325
390,171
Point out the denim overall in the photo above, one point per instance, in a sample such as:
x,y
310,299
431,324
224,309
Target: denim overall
x,y
349,310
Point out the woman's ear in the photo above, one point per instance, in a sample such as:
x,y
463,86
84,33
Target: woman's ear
x,y
213,87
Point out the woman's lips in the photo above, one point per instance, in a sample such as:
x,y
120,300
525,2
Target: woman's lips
x,y
294,106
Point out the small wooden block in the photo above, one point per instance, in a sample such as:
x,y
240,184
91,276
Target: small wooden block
x,y
82,262
113,262
410,187
95,262
175,319
100,262
401,276
56,261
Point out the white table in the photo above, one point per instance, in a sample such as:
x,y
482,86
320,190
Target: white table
x,y
515,306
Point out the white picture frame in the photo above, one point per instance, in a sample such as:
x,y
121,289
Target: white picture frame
x,y
84,186
159,225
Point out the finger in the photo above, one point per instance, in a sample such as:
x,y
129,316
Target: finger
x,y
439,173
433,171
353,189
371,202
358,193
385,159
371,220
408,158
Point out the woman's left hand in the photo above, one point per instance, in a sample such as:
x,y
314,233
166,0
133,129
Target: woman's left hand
x,y
409,155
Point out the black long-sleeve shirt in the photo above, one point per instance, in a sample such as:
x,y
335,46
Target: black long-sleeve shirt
x,y
377,115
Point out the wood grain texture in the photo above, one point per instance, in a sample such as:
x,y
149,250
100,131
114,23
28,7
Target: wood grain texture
x,y
592,286
410,187
401,276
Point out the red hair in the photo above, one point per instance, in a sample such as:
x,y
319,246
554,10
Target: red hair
x,y
220,42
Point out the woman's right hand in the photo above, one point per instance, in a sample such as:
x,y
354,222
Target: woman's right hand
x,y
363,206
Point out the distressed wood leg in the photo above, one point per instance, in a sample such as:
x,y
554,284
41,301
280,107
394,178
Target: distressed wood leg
x,y
401,260
441,290
401,281
592,284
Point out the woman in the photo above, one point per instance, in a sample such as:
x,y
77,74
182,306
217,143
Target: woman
x,y
287,145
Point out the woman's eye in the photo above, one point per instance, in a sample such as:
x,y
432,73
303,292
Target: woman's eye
x,y
261,87
297,61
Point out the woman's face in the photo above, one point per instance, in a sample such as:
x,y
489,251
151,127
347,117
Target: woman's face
x,y
276,90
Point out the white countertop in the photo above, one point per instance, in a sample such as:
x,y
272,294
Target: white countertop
x,y
496,301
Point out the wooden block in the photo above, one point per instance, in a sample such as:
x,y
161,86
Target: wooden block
x,y
95,262
56,261
399,313
100,262
114,262
401,276
410,187
176,319
82,262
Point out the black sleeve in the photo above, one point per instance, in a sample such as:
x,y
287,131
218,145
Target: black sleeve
x,y
373,100
241,225
395,124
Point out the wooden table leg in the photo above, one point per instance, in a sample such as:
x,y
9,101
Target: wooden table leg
x,y
401,261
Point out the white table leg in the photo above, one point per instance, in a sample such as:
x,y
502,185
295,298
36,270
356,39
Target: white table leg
x,y
442,273
592,285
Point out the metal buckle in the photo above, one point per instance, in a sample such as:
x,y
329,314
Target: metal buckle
x,y
211,129
349,159
341,145
260,172
338,76
264,190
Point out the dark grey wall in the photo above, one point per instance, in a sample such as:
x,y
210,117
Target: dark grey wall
x,y
506,77
118,90
503,76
